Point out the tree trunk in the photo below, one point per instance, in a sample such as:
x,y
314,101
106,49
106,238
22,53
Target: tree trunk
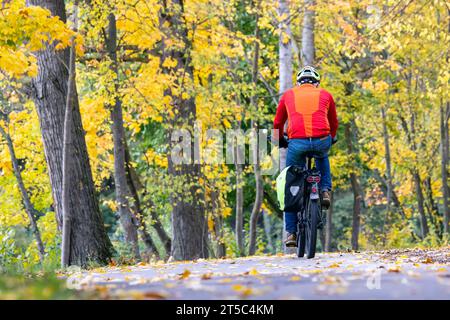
x,y
218,225
221,250
238,159
321,234
356,211
137,210
387,157
268,230
136,186
257,165
67,152
190,233
416,175
285,47
239,230
329,227
218,230
49,91
127,219
411,134
88,239
444,117
286,72
395,200
29,208
308,47
432,208
420,204
356,189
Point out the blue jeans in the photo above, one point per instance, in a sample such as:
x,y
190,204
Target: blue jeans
x,y
296,155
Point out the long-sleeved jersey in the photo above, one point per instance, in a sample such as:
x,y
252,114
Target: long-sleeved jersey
x,y
310,112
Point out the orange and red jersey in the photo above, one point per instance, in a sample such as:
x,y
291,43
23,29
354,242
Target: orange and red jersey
x,y
310,112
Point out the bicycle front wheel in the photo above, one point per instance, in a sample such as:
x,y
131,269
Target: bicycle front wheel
x,y
312,219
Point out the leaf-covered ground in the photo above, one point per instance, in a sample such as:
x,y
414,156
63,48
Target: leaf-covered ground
x,y
395,274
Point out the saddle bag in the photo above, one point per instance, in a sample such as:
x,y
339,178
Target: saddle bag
x,y
291,188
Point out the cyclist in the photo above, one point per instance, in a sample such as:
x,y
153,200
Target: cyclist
x,y
312,126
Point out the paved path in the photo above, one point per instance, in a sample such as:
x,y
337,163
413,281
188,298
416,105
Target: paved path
x,y
413,274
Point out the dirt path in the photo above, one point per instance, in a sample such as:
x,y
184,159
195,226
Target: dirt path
x,y
397,274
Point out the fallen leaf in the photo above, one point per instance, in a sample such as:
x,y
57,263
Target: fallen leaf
x,y
253,272
206,276
427,260
395,269
295,278
313,271
101,289
243,290
186,273
154,295
331,280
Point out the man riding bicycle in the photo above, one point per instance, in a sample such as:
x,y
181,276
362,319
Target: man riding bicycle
x,y
312,126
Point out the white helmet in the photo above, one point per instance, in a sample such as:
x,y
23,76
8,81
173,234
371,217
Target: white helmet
x,y
308,75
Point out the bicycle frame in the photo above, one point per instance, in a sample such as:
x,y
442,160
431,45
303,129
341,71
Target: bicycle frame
x,y
313,179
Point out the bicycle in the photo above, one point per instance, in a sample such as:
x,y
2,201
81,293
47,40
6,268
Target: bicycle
x,y
310,217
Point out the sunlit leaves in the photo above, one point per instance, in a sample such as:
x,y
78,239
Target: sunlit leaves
x,y
26,29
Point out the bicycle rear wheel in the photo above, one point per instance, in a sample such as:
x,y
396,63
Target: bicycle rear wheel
x,y
312,219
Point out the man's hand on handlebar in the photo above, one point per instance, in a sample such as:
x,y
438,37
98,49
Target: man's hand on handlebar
x,y
333,140
283,143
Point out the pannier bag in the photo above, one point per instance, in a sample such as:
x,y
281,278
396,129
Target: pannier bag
x,y
291,188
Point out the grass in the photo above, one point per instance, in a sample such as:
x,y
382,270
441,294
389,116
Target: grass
x,y
35,287
35,282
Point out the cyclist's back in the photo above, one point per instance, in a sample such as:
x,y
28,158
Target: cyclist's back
x,y
312,126
310,110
